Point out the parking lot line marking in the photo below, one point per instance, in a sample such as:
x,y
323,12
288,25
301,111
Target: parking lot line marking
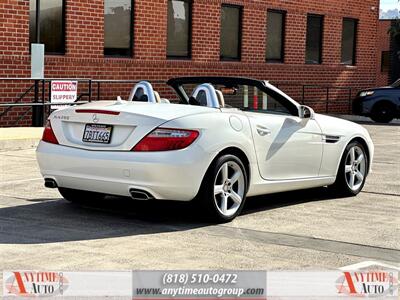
x,y
16,156
385,162
21,180
380,193
306,242
385,144
369,264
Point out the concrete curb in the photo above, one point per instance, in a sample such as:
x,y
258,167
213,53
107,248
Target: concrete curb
x,y
18,144
19,138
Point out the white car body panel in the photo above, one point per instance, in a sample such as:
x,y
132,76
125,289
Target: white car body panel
x,y
69,125
288,153
347,131
278,150
164,175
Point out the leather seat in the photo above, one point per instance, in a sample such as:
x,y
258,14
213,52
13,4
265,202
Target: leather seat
x,y
157,96
159,99
143,92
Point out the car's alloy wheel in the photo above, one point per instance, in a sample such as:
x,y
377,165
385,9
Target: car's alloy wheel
x,y
355,168
229,188
223,190
352,172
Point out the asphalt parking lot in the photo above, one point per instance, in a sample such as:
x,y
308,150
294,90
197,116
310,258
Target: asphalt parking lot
x,y
298,230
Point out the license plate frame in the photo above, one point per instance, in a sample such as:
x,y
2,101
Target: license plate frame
x,y
96,140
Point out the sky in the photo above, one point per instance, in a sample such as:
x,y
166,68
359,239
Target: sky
x,y
389,9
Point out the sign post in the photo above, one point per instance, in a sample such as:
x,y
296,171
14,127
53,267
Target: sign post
x,y
37,72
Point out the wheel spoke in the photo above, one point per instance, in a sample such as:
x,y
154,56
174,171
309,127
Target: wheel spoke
x,y
352,177
225,172
218,189
224,204
347,168
360,176
235,177
352,155
235,197
360,159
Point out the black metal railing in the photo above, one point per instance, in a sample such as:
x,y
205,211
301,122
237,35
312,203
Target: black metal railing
x,y
39,103
326,90
41,99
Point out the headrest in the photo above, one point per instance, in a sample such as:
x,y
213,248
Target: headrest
x,y
141,89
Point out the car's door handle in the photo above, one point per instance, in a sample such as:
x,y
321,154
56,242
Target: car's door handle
x,y
263,131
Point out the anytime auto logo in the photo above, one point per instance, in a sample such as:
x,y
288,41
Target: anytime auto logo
x,y
368,283
35,284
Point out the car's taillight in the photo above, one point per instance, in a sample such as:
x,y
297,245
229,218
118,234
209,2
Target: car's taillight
x,y
165,139
48,134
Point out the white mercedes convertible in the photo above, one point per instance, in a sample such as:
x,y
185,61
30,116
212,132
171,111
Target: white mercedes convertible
x,y
224,139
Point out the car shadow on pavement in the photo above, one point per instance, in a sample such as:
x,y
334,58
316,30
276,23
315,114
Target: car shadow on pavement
x,y
56,220
278,200
50,221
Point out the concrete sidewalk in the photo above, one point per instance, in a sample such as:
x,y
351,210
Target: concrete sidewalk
x,y
15,138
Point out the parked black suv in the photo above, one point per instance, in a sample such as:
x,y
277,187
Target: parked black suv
x,y
380,104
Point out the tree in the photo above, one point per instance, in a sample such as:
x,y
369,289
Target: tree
x,y
394,29
394,32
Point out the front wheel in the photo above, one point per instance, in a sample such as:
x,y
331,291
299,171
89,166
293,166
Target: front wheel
x,y
79,196
224,188
382,113
353,170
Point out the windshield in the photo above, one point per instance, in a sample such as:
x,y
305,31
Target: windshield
x,y
396,84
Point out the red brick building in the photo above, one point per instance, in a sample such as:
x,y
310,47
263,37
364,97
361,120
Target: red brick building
x,y
290,43
384,53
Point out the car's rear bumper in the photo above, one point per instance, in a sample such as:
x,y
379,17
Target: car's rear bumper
x,y
172,175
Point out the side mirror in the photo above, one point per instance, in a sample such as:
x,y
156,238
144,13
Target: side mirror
x,y
306,112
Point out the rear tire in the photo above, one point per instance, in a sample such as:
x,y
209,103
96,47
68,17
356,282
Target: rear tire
x,y
382,112
353,171
79,196
223,191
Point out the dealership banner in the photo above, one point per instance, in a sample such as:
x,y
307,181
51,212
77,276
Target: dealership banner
x,y
146,285
378,284
199,284
67,284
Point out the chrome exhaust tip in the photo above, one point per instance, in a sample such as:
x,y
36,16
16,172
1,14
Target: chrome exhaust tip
x,y
140,195
50,183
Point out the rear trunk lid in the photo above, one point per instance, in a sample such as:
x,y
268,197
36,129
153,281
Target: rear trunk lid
x,y
114,126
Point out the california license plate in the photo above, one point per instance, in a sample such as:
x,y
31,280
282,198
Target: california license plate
x,y
97,133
